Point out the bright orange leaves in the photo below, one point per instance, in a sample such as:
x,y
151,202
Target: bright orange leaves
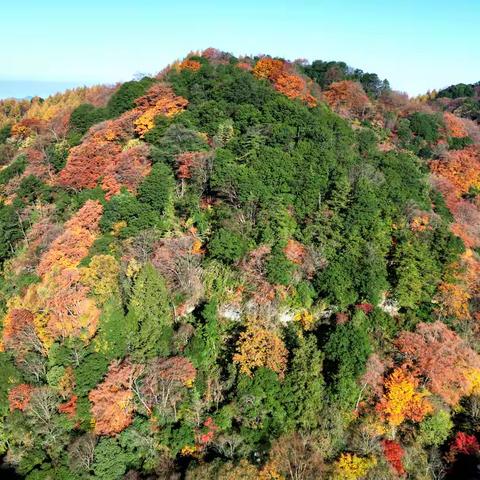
x,y
109,151
455,175
112,400
192,65
441,357
347,98
73,244
19,397
460,167
160,100
259,347
58,306
268,68
284,79
455,126
402,400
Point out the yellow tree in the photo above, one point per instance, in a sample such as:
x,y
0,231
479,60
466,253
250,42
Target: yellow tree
x,y
259,347
402,400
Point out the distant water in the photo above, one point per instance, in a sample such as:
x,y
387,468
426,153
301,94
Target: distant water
x,y
33,88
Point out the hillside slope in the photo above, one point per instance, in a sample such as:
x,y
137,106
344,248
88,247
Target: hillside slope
x,y
239,268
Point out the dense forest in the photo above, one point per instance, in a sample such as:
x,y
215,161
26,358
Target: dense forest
x,y
241,268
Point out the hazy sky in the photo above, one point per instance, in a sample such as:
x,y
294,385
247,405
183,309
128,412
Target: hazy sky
x,y
416,44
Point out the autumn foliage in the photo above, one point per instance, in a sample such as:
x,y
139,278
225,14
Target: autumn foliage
x,y
465,444
394,454
19,397
347,98
352,467
108,152
112,400
189,64
284,79
258,347
460,167
454,125
159,100
73,244
402,399
59,306
441,357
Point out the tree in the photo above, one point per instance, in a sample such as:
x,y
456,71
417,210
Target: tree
x,y
347,98
258,347
436,428
304,385
101,276
454,125
164,383
73,244
441,357
19,397
402,401
394,454
159,100
352,467
149,315
157,189
112,400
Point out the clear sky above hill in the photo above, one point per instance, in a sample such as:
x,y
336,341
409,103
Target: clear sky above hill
x,y
416,44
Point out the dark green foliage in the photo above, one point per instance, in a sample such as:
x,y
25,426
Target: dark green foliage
x,y
426,125
176,139
279,268
470,108
5,133
439,205
124,98
457,91
86,115
15,168
227,246
90,372
456,143
111,460
56,155
9,375
32,188
149,319
346,352
157,189
11,230
325,73
259,406
303,388
124,207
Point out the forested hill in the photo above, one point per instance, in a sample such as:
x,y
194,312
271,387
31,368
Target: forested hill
x,y
241,268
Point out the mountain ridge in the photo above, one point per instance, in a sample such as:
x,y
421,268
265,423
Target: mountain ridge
x,y
240,268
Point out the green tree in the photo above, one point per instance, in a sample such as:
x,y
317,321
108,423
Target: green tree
x,y
149,317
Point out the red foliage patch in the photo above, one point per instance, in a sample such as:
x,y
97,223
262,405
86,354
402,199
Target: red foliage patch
x,y
394,454
19,397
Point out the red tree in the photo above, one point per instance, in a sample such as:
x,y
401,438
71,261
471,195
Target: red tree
x,y
441,357
19,397
347,98
112,400
394,454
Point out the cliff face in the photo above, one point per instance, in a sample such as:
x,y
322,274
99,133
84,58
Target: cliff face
x,y
239,268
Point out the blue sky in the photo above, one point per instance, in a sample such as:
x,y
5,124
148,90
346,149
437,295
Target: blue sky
x,y
416,44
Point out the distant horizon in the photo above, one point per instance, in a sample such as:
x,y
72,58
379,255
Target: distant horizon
x,y
21,89
24,88
417,46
